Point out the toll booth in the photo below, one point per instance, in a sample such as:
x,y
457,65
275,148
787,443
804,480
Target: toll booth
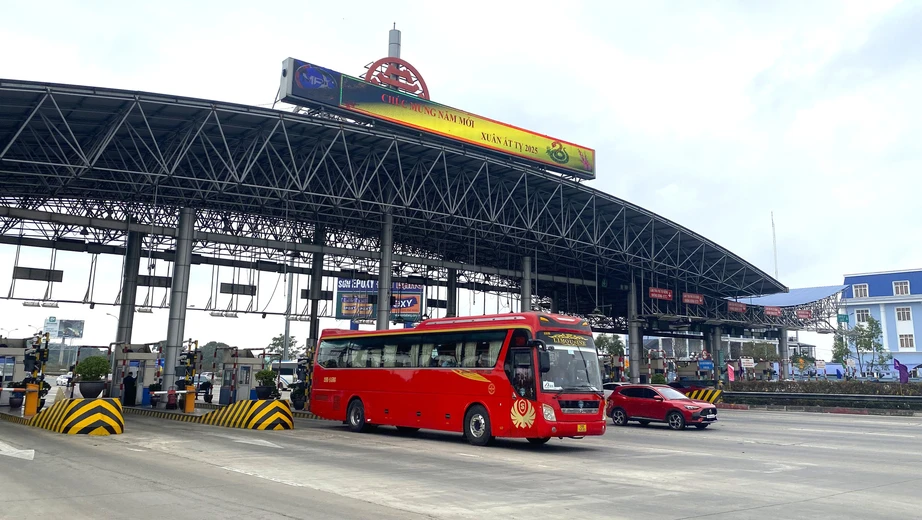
x,y
240,367
12,354
142,361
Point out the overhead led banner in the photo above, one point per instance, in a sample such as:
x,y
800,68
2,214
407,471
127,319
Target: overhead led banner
x,y
306,82
353,302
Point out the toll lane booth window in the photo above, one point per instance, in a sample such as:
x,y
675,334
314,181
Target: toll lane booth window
x,y
6,369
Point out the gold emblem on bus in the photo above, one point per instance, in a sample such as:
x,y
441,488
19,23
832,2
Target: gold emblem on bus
x,y
523,414
473,376
570,340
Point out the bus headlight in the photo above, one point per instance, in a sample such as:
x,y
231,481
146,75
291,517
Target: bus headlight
x,y
549,414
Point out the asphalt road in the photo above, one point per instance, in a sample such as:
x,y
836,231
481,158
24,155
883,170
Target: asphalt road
x,y
749,465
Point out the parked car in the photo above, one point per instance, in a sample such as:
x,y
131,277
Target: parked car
x,y
688,385
608,388
658,403
63,379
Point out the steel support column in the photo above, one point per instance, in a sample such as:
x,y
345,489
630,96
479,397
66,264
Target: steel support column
x,y
716,345
784,367
129,288
635,341
179,295
316,287
526,283
385,268
286,341
451,298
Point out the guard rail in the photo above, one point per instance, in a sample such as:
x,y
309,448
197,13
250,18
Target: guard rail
x,y
790,396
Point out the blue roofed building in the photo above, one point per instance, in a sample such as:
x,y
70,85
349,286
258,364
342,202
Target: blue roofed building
x,y
895,299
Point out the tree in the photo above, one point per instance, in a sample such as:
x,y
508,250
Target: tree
x,y
277,346
610,344
760,351
803,362
841,352
867,342
207,352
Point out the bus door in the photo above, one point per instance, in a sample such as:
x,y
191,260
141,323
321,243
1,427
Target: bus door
x,y
520,368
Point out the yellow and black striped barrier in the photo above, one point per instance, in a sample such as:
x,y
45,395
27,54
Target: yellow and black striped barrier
x,y
82,417
159,414
13,418
250,415
711,396
253,415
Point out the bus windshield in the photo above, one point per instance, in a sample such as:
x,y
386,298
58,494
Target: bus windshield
x,y
574,364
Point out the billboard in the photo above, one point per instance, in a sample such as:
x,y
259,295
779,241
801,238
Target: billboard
x,y
302,81
51,327
70,328
352,300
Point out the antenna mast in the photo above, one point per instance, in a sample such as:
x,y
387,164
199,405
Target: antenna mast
x,y
774,245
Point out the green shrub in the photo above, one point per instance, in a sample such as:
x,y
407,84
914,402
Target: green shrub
x,y
93,368
833,386
658,379
265,377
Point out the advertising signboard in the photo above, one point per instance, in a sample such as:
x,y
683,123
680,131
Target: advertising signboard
x,y
772,311
302,81
692,298
353,302
804,314
747,362
705,364
657,293
70,328
51,326
736,307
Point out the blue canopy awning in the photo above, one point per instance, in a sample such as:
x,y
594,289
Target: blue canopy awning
x,y
794,297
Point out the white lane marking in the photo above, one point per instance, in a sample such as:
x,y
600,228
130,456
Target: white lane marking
x,y
9,451
258,442
469,455
257,475
133,449
852,432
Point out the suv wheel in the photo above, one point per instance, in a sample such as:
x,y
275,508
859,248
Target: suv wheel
x,y
619,417
676,420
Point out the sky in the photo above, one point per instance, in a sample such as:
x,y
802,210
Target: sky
x,y
715,115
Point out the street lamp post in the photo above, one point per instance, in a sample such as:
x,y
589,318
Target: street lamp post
x,y
8,331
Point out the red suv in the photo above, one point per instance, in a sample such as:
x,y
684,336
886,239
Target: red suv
x,y
658,403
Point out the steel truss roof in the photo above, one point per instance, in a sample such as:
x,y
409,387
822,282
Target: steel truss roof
x,y
275,175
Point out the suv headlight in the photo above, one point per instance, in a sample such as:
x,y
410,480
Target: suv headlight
x,y
549,414
692,407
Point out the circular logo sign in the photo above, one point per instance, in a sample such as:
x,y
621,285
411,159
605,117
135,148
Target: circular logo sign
x,y
397,73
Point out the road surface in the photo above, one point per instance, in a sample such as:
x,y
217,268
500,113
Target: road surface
x,y
748,465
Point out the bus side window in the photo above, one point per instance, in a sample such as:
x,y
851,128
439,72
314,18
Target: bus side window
x,y
390,356
408,351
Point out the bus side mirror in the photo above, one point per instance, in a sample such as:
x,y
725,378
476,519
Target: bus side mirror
x,y
544,361
536,343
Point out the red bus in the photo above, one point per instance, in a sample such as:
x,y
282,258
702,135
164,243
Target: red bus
x,y
531,375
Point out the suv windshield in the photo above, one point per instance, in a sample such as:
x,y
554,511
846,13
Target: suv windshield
x,y
671,393
574,363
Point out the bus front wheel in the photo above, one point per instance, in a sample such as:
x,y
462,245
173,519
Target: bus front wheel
x,y
355,416
477,426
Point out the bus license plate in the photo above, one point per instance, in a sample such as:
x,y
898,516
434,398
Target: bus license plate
x,y
580,428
